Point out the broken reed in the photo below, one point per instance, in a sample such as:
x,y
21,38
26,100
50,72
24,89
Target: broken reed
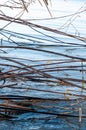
x,y
15,70
40,72
34,73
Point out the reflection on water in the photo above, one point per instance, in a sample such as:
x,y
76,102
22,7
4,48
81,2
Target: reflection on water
x,y
48,124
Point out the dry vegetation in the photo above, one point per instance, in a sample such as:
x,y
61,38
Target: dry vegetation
x,y
20,75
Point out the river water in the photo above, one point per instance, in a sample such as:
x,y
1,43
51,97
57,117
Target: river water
x,y
68,16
